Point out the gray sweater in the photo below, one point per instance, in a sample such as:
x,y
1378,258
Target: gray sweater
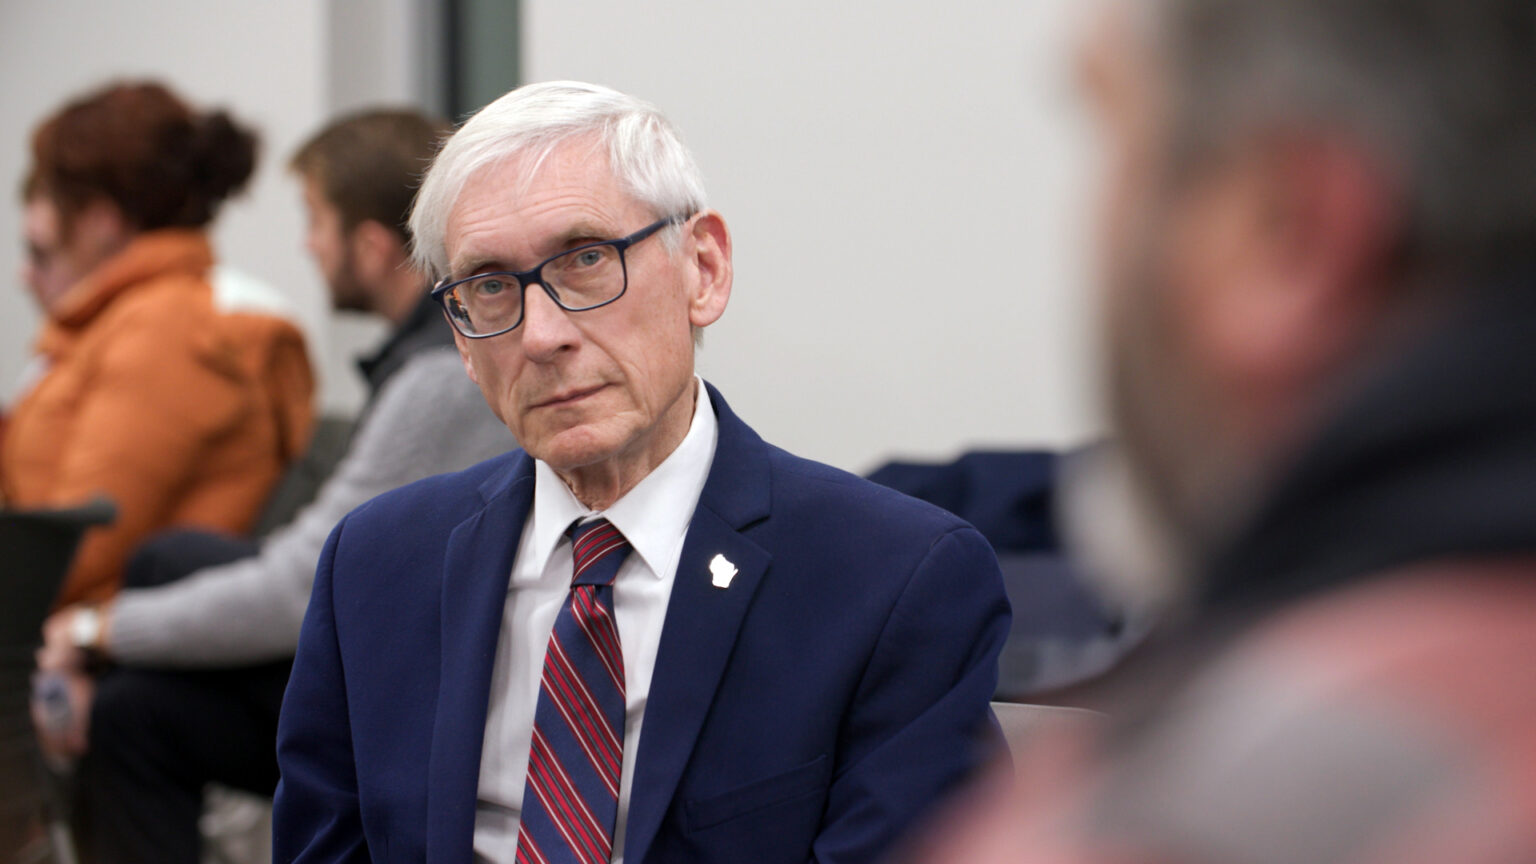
x,y
428,418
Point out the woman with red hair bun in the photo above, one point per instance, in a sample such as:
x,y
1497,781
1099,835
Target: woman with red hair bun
x,y
180,404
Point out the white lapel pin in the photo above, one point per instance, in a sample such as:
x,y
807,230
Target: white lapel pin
x,y
721,571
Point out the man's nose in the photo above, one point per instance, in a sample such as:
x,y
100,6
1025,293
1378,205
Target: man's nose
x,y
547,329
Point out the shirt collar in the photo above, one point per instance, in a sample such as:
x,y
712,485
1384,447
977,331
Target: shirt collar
x,y
424,326
653,516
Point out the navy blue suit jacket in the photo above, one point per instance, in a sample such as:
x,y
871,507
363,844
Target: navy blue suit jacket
x,y
812,710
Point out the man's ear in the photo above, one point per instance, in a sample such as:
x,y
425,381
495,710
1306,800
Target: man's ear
x,y
709,247
1329,234
1281,257
1285,245
1337,216
377,251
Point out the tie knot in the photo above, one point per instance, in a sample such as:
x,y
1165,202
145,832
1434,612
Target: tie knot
x,y
593,544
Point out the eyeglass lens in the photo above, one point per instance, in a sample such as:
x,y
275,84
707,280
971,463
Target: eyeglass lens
x,y
579,279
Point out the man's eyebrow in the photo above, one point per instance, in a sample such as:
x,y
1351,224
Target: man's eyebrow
x,y
465,266
577,234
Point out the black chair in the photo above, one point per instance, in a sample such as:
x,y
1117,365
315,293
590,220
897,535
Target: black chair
x,y
1062,632
36,548
302,481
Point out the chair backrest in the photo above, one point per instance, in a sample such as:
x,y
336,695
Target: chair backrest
x,y
1022,723
1062,632
302,480
36,548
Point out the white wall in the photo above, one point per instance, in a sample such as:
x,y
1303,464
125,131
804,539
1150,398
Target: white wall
x,y
271,64
907,187
905,182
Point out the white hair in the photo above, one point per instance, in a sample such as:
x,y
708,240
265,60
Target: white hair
x,y
645,152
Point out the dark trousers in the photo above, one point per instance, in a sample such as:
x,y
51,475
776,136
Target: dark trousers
x,y
158,736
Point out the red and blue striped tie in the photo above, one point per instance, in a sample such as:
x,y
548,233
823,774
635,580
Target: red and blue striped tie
x,y
571,796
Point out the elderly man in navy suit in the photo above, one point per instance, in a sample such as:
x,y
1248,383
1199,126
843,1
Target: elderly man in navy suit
x,y
648,635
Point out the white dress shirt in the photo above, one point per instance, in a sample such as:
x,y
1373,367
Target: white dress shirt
x,y
654,518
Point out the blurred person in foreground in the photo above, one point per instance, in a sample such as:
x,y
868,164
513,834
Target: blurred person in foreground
x,y
180,401
1320,231
203,658
648,635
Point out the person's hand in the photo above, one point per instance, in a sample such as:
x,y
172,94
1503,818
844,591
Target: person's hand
x,y
62,651
61,713
59,652
63,688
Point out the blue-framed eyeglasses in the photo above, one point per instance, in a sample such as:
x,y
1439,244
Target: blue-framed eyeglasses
x,y
586,277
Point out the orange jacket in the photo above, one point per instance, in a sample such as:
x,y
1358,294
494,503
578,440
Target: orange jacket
x,y
182,413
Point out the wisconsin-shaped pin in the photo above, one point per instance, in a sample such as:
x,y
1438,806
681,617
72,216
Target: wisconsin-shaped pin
x,y
721,571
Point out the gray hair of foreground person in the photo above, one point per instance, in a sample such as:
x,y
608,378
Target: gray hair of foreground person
x,y
645,151
1443,90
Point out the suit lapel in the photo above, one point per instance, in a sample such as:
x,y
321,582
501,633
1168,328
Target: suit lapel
x,y
702,622
476,568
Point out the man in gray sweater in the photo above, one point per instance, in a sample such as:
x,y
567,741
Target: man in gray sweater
x,y
198,664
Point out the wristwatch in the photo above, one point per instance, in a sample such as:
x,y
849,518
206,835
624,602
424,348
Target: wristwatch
x,y
85,629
